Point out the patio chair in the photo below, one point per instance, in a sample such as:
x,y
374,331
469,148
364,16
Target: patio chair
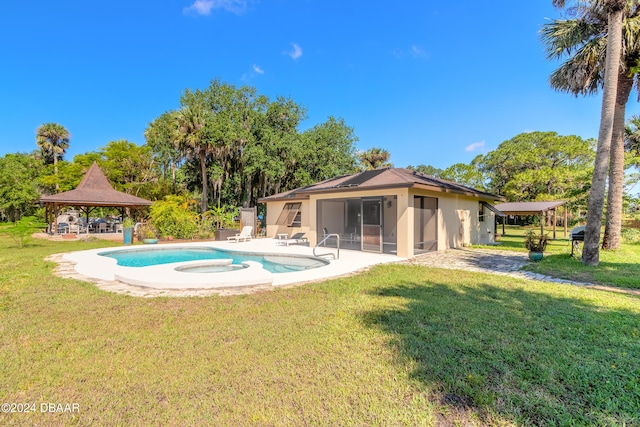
x,y
243,236
77,228
63,228
297,239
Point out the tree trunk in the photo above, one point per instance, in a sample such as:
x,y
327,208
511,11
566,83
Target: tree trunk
x,y
205,185
613,222
55,169
591,250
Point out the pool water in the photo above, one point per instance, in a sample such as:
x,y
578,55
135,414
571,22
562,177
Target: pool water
x,y
211,268
274,263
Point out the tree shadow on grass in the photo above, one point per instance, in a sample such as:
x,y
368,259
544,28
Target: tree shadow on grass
x,y
608,273
509,353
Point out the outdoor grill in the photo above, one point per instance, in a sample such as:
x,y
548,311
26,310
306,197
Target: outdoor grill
x,y
577,236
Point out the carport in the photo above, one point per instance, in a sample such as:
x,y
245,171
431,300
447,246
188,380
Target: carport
x,y
544,209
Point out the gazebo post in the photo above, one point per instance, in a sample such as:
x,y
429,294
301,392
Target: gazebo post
x,y
565,221
543,218
554,223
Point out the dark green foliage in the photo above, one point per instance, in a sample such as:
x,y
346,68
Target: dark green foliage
x,y
18,185
540,166
245,146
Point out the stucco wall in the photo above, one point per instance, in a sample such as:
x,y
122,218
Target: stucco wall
x,y
458,223
273,212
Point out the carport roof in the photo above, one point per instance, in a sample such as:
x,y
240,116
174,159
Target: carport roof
x,y
528,208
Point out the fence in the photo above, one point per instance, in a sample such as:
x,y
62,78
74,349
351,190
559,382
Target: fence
x,y
631,223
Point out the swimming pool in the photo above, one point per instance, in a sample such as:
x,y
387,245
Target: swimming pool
x,y
274,263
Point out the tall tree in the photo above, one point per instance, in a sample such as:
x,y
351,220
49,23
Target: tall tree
x,y
427,170
374,158
160,136
538,166
192,140
615,11
471,175
591,250
18,185
130,168
583,40
53,140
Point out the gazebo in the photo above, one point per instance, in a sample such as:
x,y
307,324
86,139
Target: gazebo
x,y
535,208
93,191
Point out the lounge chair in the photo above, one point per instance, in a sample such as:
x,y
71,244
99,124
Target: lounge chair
x,y
297,239
243,236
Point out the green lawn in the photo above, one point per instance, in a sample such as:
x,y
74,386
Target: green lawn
x,y
619,268
398,345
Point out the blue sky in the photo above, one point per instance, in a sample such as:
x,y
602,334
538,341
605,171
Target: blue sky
x,y
431,82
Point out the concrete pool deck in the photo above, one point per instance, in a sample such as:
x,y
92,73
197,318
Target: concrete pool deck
x,y
165,280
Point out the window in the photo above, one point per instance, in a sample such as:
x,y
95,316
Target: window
x,y
290,215
481,212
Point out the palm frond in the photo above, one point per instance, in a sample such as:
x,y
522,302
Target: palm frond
x,y
563,37
582,73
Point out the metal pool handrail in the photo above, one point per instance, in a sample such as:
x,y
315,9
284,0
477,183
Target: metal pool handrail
x,y
326,237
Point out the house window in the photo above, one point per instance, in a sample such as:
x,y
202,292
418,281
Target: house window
x,y
481,212
290,215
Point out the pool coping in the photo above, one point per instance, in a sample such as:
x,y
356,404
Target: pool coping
x,y
165,280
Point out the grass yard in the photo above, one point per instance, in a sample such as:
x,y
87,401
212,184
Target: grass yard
x,y
619,268
398,345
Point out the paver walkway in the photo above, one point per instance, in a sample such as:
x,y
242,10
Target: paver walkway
x,y
506,263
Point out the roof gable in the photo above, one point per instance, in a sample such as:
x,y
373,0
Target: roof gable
x,y
95,190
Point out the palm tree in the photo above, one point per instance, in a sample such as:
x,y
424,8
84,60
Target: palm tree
x,y
374,158
583,39
614,10
53,140
191,140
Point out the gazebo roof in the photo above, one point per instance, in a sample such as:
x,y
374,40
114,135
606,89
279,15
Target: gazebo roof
x,y
95,190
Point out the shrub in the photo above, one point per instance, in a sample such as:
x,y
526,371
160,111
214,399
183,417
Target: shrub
x,y
535,242
174,216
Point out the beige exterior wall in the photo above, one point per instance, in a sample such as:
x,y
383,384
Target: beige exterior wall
x,y
273,212
458,222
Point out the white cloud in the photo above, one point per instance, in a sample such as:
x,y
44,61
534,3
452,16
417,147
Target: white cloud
x,y
417,52
204,7
296,52
475,146
414,51
250,75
